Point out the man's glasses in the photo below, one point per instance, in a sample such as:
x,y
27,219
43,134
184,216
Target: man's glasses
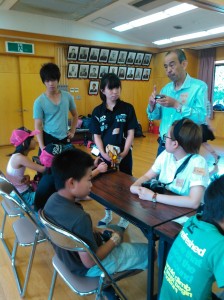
x,y
166,137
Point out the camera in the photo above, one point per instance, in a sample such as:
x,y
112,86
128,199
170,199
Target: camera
x,y
106,235
154,185
159,97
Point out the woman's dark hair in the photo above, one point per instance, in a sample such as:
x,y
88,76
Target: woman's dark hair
x,y
187,134
111,81
22,148
214,202
50,71
71,163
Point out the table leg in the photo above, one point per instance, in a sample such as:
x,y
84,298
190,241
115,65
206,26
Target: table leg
x,y
151,257
163,251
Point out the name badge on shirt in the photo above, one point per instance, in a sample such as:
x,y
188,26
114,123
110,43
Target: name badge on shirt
x,y
116,131
179,182
199,171
183,98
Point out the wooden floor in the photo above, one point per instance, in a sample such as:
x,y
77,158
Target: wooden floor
x,y
144,153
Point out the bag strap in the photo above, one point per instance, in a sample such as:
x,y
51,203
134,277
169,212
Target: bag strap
x,y
181,168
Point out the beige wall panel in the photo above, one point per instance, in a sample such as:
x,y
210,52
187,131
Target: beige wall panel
x,y
141,96
219,53
91,102
82,85
31,86
10,112
9,64
127,91
218,124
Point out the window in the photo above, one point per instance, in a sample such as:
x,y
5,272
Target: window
x,y
218,92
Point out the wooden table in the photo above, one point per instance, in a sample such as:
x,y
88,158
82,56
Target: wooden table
x,y
113,191
167,233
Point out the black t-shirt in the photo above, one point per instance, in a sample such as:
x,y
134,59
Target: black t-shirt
x,y
113,125
44,190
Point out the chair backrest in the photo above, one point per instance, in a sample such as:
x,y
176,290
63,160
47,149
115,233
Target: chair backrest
x,y
69,241
7,190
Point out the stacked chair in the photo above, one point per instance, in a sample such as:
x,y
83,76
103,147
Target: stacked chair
x,y
11,209
27,229
81,285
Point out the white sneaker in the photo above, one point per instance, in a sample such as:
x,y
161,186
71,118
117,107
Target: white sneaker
x,y
123,223
105,221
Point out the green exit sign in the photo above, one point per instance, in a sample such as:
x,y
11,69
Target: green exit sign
x,y
19,47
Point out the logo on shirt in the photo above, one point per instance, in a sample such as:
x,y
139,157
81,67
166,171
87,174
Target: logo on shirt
x,y
191,245
121,118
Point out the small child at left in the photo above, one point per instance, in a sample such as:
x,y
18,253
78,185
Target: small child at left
x,y
24,141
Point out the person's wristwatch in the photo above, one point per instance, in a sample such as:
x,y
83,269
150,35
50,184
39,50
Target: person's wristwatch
x,y
116,238
179,108
154,200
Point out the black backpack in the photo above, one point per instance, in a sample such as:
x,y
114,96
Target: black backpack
x,y
138,131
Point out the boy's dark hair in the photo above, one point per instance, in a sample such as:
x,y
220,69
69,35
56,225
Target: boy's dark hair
x,y
214,202
180,54
50,71
111,81
187,134
72,163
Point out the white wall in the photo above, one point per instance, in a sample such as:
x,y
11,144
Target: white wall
x,y
26,22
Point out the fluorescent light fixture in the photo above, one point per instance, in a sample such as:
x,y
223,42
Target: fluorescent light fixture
x,y
190,36
163,42
176,10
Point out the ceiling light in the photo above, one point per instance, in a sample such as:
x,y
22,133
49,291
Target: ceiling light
x,y
190,36
176,10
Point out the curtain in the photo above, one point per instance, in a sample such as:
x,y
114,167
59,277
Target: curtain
x,y
206,71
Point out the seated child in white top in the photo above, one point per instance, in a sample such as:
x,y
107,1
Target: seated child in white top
x,y
23,140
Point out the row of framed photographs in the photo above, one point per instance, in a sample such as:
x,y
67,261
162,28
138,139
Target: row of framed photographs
x,y
96,71
111,56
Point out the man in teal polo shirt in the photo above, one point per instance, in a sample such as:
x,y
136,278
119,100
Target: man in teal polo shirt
x,y
184,96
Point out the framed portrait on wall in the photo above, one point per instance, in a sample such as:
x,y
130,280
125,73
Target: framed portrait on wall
x,y
113,56
122,72
103,70
146,74
73,70
73,52
122,57
130,58
113,69
147,59
139,58
83,71
104,53
83,53
93,71
130,73
94,54
138,74
93,87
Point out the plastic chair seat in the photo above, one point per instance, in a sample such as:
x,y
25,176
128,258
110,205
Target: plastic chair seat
x,y
80,284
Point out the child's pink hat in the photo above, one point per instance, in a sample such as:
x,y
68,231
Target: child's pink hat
x,y
21,134
50,151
